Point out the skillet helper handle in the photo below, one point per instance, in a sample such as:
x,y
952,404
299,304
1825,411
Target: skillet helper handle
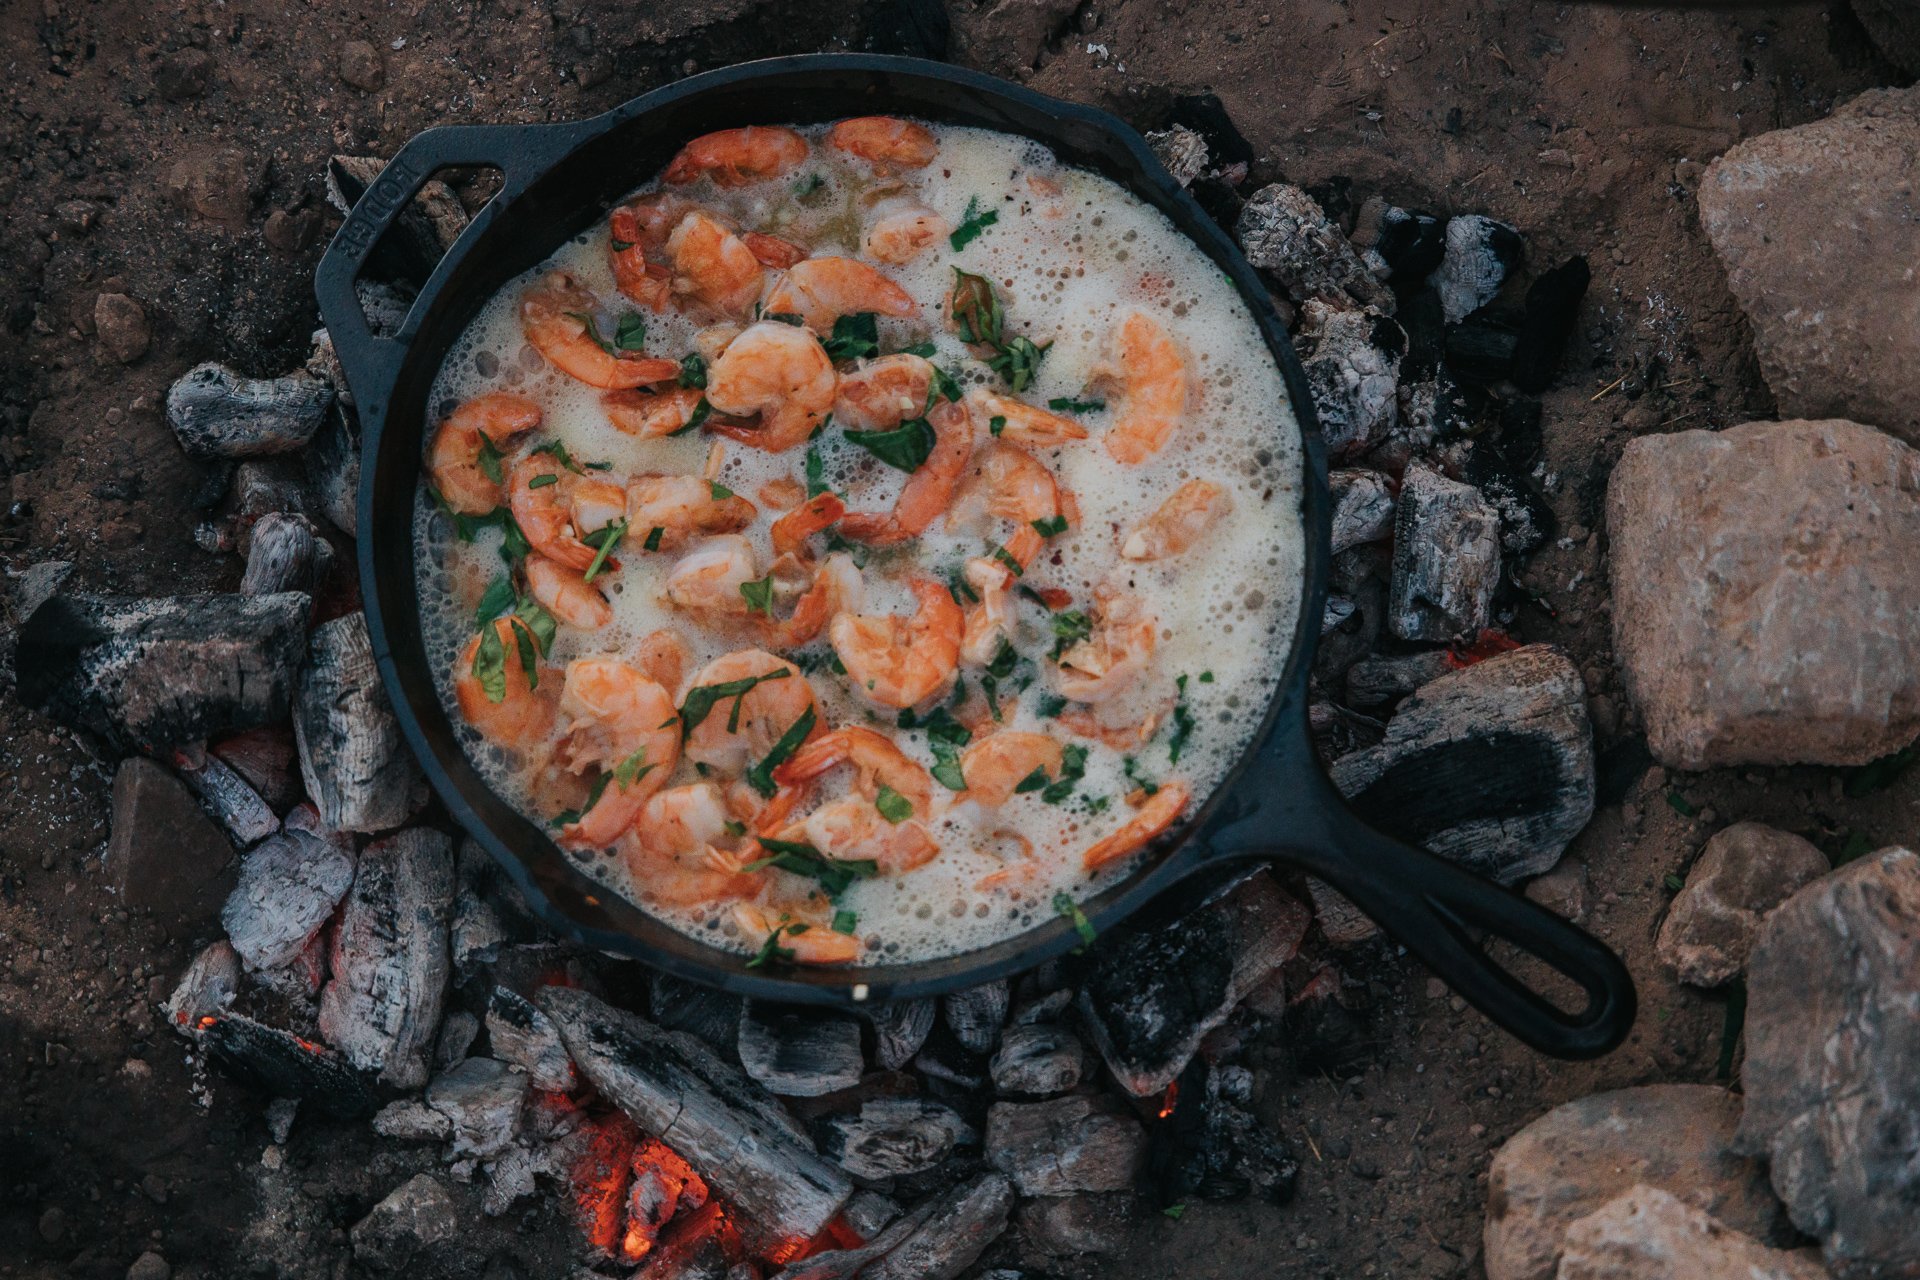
x,y
519,152
1433,908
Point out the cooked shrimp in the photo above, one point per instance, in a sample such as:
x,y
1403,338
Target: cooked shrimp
x,y
782,374
682,507
554,508
636,236
741,729
900,228
646,413
807,941
782,493
990,619
566,594
818,514
524,713
821,290
1024,423
712,267
624,725
707,580
1086,722
854,830
928,491
876,759
1179,522
887,143
495,421
1011,484
738,157
896,661
995,765
883,393
1161,810
1146,372
772,251
662,656
1112,659
559,316
681,853
834,586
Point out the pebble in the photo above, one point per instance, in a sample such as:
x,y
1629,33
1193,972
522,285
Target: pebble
x,y
122,326
149,1266
362,66
53,1225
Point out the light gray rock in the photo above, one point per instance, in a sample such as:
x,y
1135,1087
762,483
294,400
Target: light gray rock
x,y
1764,611
1647,1234
1446,558
1833,1050
406,1227
1745,872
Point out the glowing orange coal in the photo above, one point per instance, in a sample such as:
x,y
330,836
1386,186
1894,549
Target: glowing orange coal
x,y
663,1186
1171,1100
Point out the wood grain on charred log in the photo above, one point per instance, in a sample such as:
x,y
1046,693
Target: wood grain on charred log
x,y
282,1065
800,1052
893,1137
287,889
358,771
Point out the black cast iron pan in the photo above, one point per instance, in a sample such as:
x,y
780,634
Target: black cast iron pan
x,y
1277,804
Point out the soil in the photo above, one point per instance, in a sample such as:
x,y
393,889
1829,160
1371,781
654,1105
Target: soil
x,y
1586,125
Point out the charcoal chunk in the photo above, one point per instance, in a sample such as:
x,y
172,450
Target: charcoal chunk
x,y
1481,350
1480,252
284,554
483,1099
1065,1145
1552,310
1213,1148
288,888
522,1035
1408,244
280,1064
1362,508
976,1014
217,413
956,1230
707,1012
357,768
894,1137
800,1052
1181,150
229,798
900,1028
1285,233
1038,1059
206,988
1352,363
1446,558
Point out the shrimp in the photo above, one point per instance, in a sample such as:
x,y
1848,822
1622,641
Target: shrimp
x,y
805,941
883,393
779,372
623,724
651,413
928,491
821,290
996,765
819,513
782,493
1086,722
1024,423
854,830
772,251
877,761
566,595
898,662
1160,811
900,228
707,580
738,157
662,657
770,697
1145,369
681,507
680,853
1011,484
1114,657
491,422
636,234
554,508
525,711
835,586
990,620
558,316
712,267
1179,522
887,143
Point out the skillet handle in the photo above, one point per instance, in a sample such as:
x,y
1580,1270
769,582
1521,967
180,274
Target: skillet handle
x,y
1433,908
519,152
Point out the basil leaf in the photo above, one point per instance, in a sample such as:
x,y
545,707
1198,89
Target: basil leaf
x,y
497,600
490,664
631,334
489,460
854,337
905,447
542,481
653,539
607,537
996,424
1051,526
893,806
845,922
1008,559
771,948
1050,706
832,874
942,386
759,595
693,371
703,698
761,775
922,349
701,412
977,315
972,223
1064,905
1070,627
939,724
816,472
1032,782
592,330
719,491
1131,768
632,769
1073,767
557,450
1018,361
946,766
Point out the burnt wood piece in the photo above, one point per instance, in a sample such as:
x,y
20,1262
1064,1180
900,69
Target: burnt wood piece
x,y
1151,996
482,1099
389,958
1038,1059
268,760
706,1012
1207,116
1352,363
1481,349
1362,508
868,1213
162,672
287,889
1406,242
1552,309
522,1035
356,766
893,1137
217,413
1480,251
730,1130
1063,1145
332,464
206,988
282,1065
844,1264
228,797
411,1120
284,554
488,913
1212,1148
952,1236
1375,681
1286,233
899,1030
1446,559
800,1052
976,1015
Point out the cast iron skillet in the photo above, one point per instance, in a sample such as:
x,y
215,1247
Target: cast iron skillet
x,y
1276,804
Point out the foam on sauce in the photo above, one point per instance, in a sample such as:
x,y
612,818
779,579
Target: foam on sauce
x,y
1066,267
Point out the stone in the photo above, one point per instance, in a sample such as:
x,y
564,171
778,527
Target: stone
x,y
1063,1226
217,183
1745,872
405,1227
1815,226
1891,27
1446,558
1352,362
183,74
1563,890
149,1266
1764,612
1573,1160
1647,1234
1285,232
1479,253
1490,766
361,65
163,852
1064,1145
121,324
1833,1049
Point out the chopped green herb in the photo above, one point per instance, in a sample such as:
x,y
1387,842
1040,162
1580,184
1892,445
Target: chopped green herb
x,y
1206,677
733,828
816,472
854,337
1034,781
514,546
592,330
942,386
761,775
1183,725
924,350
693,370
632,769
1070,627
598,789
719,491
1050,526
977,315
1008,559
1018,361
1175,1211
1067,404
619,245
946,765
759,595
541,625
833,874
490,665
1095,804
959,588
997,423
701,412
1064,905
653,539
489,460
905,447
497,599
631,333
771,949
603,547
1051,705
1028,593
1681,805
701,699
845,921
557,450
939,724
1073,767
893,806
972,223
1131,768
542,481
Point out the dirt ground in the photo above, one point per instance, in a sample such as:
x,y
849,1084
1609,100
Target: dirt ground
x,y
1584,124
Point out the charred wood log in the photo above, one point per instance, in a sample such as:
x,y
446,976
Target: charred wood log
x,y
283,1065
1552,310
287,889
482,1099
733,1133
217,413
205,989
333,470
1362,508
488,912
899,1030
952,1236
284,554
1064,1145
382,1009
869,1212
844,1264
1151,996
976,1014
1212,1148
706,1012
162,672
227,796
799,1052
526,1037
893,1137
357,769
268,761
1038,1059
1446,558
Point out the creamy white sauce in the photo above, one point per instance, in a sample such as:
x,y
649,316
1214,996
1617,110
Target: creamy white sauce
x,y
1067,267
